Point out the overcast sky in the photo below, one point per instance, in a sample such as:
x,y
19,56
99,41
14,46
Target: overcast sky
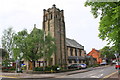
x,y
80,23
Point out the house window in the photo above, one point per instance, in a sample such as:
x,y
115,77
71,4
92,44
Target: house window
x,y
80,52
75,61
70,61
75,52
71,52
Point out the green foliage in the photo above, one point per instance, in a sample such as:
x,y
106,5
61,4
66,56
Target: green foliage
x,y
33,46
95,65
20,44
38,69
109,26
107,52
7,69
47,68
29,47
6,62
49,46
7,40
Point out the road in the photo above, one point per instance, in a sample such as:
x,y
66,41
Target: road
x,y
97,73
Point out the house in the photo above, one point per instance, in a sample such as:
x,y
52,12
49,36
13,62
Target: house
x,y
95,54
75,52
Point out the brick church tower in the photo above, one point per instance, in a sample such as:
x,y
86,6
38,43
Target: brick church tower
x,y
53,23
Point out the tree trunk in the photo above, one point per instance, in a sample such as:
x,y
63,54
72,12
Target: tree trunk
x,y
33,65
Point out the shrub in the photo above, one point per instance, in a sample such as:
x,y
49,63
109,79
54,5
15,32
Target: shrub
x,y
95,65
55,67
8,69
47,68
38,69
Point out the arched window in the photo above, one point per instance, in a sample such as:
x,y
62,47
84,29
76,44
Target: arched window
x,y
51,16
45,18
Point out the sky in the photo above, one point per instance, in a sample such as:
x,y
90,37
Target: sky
x,y
79,21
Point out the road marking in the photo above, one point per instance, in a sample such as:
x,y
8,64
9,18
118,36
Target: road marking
x,y
94,76
100,75
97,76
110,75
7,76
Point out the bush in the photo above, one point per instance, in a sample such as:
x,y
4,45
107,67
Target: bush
x,y
54,67
38,69
47,68
8,69
12,68
95,65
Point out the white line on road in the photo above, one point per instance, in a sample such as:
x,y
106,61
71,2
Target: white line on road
x,y
96,76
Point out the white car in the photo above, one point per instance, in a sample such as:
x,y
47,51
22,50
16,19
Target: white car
x,y
83,65
114,62
103,63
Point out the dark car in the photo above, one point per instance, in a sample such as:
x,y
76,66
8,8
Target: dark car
x,y
74,66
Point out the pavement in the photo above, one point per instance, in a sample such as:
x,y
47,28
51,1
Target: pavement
x,y
52,75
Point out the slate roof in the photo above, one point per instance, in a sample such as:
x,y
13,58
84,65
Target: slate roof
x,y
73,43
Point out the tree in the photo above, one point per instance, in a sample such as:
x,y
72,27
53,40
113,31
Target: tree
x,y
109,26
5,57
7,41
49,47
19,44
108,53
33,46
41,45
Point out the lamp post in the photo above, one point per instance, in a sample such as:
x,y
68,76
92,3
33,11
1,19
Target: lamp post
x,y
17,65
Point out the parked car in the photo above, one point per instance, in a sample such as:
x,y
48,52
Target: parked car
x,y
117,66
83,65
74,66
114,62
103,63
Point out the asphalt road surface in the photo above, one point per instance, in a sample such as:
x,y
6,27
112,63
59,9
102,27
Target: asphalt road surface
x,y
97,73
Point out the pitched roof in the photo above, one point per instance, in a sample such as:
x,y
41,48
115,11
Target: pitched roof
x,y
93,51
73,43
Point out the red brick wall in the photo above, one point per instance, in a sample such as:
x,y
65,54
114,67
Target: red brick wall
x,y
95,54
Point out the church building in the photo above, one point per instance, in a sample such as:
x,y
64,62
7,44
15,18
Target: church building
x,y
68,50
